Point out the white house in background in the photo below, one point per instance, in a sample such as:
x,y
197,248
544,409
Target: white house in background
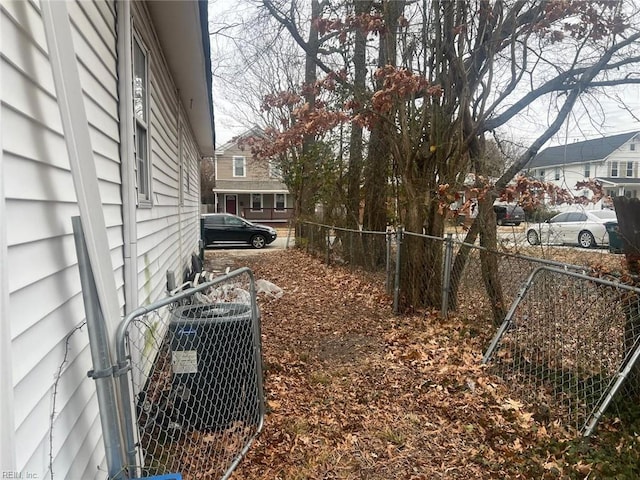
x,y
613,161
157,55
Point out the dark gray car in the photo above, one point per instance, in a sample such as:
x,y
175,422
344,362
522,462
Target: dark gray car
x,y
509,214
224,228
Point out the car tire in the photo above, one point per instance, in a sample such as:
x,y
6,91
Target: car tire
x,y
586,240
258,241
532,237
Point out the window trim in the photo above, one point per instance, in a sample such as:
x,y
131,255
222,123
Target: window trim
x,y
275,170
144,199
261,202
275,202
587,170
630,169
614,163
233,166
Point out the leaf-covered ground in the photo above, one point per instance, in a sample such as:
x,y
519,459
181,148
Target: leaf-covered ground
x,y
354,392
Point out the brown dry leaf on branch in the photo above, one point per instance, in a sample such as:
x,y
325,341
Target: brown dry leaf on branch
x,y
354,392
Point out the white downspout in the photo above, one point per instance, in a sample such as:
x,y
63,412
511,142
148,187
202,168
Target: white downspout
x,y
127,155
7,424
181,190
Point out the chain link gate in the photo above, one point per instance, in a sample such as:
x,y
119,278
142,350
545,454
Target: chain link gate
x,y
190,376
569,344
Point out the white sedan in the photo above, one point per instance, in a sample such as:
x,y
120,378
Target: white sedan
x,y
586,229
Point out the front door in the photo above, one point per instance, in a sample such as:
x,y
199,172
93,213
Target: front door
x,y
231,204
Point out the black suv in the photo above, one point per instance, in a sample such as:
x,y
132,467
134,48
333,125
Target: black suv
x,y
224,228
508,214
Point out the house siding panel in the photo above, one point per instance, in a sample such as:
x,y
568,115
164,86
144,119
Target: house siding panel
x,y
51,357
165,242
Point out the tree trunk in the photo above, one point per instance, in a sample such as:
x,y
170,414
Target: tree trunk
x,y
307,178
356,159
377,169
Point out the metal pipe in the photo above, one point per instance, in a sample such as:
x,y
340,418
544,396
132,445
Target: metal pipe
x,y
101,358
396,287
446,274
388,265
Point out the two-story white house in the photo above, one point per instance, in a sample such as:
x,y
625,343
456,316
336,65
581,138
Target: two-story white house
x,y
249,187
613,161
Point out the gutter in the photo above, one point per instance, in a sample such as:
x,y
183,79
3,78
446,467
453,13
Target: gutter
x,y
203,8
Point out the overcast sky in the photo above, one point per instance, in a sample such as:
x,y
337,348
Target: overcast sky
x,y
595,117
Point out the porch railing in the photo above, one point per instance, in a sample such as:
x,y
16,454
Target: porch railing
x,y
267,214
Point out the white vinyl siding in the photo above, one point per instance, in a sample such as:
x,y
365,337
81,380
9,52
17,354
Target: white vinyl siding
x,y
45,303
168,233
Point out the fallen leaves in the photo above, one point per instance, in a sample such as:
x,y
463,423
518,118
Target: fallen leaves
x,y
354,392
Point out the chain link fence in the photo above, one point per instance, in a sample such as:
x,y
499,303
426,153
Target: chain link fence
x,y
569,344
192,379
571,341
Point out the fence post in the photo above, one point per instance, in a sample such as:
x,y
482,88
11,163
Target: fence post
x,y
396,289
446,273
328,238
387,279
102,372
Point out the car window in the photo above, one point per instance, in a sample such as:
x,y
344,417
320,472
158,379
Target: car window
x,y
576,217
213,220
233,221
559,218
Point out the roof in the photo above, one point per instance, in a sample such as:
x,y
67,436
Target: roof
x,y
183,31
252,132
250,186
581,152
619,180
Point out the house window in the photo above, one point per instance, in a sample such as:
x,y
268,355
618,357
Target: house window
x,y
630,169
632,147
611,192
556,174
141,115
614,169
280,201
256,201
587,170
239,167
541,174
274,169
